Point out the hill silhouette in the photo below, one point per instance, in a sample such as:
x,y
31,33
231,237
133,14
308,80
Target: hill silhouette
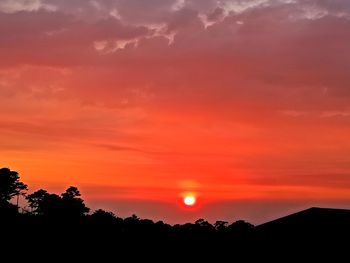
x,y
64,226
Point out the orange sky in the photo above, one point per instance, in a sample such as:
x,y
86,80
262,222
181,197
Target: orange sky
x,y
243,103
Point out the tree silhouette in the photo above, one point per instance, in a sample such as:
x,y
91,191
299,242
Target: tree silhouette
x,y
51,206
71,193
202,223
72,204
36,200
104,217
59,215
220,225
69,204
240,227
43,203
10,185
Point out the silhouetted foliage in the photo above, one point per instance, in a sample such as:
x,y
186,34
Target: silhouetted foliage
x,y
57,221
69,204
35,201
220,225
240,227
104,217
8,210
43,203
72,204
203,225
10,185
100,213
71,193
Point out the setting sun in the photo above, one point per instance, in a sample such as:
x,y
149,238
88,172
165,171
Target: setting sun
x,y
189,200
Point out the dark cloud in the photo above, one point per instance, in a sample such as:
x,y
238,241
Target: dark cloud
x,y
114,147
17,26
145,12
55,38
183,19
270,49
216,14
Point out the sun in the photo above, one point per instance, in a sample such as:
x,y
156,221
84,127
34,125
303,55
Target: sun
x,y
189,200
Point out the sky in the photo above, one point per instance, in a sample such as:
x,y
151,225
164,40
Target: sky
x,y
244,104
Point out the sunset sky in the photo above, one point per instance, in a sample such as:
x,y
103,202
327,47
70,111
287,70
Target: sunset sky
x,y
243,103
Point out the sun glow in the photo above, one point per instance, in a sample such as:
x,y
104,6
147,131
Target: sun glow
x,y
189,200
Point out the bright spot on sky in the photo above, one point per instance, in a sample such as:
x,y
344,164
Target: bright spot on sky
x,y
189,200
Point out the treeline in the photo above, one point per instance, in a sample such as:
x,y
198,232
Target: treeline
x,y
69,208
62,228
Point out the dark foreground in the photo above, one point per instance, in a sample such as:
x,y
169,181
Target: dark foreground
x,y
310,235
61,228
